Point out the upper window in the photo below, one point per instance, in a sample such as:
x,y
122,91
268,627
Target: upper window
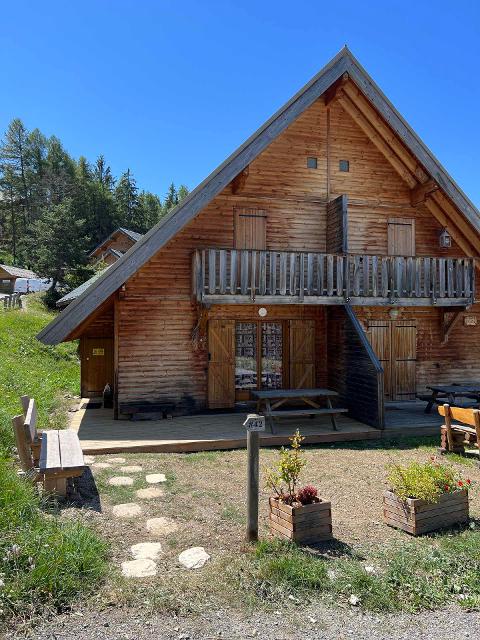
x,y
344,165
312,163
250,228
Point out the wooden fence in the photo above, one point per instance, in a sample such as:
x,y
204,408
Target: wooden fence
x,y
229,276
12,301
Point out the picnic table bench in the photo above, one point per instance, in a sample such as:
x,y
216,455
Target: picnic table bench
x,y
455,436
269,401
51,457
450,392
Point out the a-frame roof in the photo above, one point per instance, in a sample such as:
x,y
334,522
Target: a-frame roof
x,y
344,62
132,235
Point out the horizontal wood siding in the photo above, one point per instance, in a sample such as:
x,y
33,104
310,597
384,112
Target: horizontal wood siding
x,y
353,369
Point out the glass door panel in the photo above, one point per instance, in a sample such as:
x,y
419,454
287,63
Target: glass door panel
x,y
246,355
272,355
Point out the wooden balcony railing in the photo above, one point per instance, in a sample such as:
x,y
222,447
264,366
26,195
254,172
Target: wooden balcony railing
x,y
229,276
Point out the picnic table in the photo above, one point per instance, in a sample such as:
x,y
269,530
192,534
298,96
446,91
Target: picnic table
x,y
269,401
449,393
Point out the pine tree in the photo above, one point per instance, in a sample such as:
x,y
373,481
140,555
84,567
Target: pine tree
x,y
150,210
59,241
103,174
126,200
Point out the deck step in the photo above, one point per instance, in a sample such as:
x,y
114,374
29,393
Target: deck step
x,y
307,412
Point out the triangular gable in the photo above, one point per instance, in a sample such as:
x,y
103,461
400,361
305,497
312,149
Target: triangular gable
x,y
182,214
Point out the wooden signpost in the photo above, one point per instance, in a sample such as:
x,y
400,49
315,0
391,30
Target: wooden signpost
x,y
254,424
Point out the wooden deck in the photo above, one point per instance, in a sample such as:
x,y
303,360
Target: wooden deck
x,y
100,433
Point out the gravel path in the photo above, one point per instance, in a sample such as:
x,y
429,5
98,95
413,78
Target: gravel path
x,y
319,623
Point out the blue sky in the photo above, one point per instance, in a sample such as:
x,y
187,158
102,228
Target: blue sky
x,y
169,89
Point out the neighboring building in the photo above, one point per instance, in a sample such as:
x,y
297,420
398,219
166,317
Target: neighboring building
x,y
113,247
332,230
75,293
9,274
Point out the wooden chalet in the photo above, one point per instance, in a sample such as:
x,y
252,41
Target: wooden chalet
x,y
9,275
113,247
330,250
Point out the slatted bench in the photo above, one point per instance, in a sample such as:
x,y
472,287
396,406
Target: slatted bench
x,y
455,436
51,457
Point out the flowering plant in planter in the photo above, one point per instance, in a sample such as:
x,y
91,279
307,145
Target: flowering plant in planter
x,y
296,514
425,496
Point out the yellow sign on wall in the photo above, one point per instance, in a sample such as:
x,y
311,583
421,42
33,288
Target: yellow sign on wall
x,y
98,352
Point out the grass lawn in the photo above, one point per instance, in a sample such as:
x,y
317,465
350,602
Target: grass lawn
x,y
44,561
384,568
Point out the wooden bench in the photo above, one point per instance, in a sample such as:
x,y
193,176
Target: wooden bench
x,y
50,457
147,410
455,436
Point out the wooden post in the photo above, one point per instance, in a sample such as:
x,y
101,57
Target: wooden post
x,y
254,424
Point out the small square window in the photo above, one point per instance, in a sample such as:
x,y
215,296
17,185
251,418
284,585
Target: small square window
x,y
312,163
344,165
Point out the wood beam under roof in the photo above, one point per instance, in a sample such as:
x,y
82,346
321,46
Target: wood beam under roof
x,y
420,193
361,102
453,214
358,117
331,93
445,221
239,181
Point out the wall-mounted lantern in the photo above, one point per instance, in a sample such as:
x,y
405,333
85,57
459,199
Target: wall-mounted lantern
x,y
445,239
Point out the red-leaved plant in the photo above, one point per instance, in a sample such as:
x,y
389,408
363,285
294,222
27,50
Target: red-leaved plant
x,y
307,495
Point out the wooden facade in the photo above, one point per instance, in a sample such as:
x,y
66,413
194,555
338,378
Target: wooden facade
x,y
317,264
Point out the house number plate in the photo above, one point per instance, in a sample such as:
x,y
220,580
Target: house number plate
x,y
254,422
98,352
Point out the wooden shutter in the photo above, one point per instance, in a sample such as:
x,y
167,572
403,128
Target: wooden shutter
x,y
404,338
250,229
221,365
379,334
401,237
302,354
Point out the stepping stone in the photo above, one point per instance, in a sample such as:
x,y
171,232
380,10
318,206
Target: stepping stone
x,y
134,468
149,492
155,478
146,550
119,460
161,526
141,568
101,465
194,558
120,481
89,459
128,510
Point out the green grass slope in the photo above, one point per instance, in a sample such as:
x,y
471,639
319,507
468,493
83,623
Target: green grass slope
x,y
28,367
45,561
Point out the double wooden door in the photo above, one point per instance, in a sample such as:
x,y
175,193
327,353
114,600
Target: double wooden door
x,y
266,354
395,343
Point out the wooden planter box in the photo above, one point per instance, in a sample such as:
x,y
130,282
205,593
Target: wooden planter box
x,y
308,523
417,516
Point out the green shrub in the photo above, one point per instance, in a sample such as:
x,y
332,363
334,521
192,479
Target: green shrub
x,y
43,560
426,481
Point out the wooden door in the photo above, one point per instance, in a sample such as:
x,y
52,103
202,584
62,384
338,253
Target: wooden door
x,y
221,364
401,237
395,344
379,334
250,230
404,354
97,365
302,354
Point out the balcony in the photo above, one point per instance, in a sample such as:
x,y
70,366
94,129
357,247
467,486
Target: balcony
x,y
229,276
